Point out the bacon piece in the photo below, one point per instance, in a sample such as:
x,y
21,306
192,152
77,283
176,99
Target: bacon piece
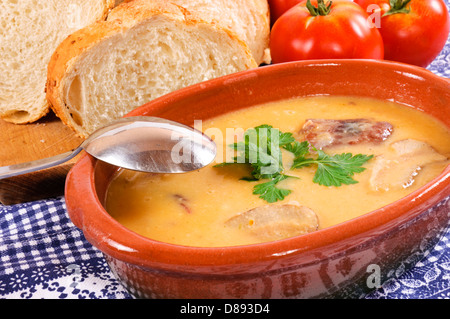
x,y
324,132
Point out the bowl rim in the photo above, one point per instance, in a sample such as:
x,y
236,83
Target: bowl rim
x,y
121,243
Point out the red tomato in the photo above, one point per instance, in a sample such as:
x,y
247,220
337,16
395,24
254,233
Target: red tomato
x,y
278,7
337,31
413,32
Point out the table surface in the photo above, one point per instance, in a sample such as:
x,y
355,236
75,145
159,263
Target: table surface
x,y
43,255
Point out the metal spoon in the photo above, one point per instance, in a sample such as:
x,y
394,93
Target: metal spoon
x,y
147,144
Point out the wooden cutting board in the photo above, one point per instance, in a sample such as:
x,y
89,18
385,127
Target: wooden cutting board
x,y
28,142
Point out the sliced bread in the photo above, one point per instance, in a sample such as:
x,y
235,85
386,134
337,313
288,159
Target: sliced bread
x,y
147,49
30,32
249,19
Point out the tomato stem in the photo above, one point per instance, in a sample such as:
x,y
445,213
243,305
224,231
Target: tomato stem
x,y
398,6
322,8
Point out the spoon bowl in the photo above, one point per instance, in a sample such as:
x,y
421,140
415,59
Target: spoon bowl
x,y
140,143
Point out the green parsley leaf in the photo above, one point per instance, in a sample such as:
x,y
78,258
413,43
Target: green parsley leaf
x,y
285,139
334,170
269,192
297,148
260,148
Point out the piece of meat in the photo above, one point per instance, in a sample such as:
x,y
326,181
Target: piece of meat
x,y
401,164
325,132
274,222
183,202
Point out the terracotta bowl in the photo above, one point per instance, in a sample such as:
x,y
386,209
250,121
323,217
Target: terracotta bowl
x,y
346,260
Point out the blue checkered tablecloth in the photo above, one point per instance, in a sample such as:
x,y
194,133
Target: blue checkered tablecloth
x,y
43,255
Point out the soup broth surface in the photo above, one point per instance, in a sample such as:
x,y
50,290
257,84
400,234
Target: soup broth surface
x,y
192,208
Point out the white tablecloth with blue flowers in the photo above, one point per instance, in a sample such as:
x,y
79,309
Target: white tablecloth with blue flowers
x,y
43,255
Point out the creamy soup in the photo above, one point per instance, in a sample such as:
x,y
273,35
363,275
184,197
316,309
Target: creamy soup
x,y
195,208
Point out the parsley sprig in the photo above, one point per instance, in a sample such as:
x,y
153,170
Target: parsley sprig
x,y
261,150
334,170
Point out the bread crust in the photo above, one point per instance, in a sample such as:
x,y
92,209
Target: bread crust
x,y
9,116
63,59
121,18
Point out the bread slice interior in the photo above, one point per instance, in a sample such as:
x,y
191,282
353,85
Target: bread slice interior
x,y
140,63
30,32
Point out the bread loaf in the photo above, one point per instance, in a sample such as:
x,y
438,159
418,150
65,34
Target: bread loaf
x,y
144,50
30,32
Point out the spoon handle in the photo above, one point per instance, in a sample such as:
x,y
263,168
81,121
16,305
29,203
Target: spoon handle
x,y
28,167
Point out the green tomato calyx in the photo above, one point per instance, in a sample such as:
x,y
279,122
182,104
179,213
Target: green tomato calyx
x,y
398,6
322,8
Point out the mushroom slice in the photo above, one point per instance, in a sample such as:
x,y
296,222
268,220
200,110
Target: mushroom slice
x,y
329,132
401,164
273,222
